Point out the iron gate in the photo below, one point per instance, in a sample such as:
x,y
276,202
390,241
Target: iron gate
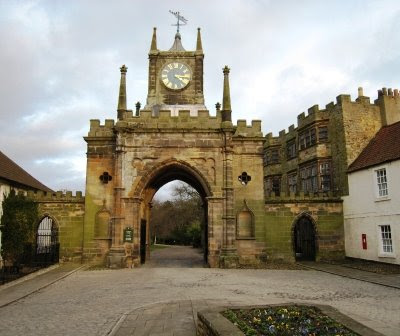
x,y
47,246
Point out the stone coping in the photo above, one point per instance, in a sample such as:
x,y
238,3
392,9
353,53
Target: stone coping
x,y
212,323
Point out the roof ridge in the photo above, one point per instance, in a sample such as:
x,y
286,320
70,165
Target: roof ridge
x,y
11,171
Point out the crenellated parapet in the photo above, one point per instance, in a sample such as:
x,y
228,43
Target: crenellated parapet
x,y
271,140
244,130
166,120
394,93
315,114
99,130
58,196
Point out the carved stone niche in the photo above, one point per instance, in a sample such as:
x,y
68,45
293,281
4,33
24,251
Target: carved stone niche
x,y
245,223
102,229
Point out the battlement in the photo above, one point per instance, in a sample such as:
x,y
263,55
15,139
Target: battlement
x,y
302,197
165,120
244,130
59,196
314,113
389,92
106,130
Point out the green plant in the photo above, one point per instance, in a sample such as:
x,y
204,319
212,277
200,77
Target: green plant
x,y
286,321
18,226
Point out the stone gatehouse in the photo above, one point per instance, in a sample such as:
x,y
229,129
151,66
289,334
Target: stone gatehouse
x,y
265,198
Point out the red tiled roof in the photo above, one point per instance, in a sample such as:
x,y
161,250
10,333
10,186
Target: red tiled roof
x,y
10,171
384,147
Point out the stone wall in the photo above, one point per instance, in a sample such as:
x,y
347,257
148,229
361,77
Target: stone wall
x,y
281,214
67,211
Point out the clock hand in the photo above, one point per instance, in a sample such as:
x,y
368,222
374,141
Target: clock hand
x,y
182,76
177,76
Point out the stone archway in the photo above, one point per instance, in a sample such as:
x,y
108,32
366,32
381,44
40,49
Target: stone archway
x,y
47,246
152,180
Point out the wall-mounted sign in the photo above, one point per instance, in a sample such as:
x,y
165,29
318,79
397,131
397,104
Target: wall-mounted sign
x,y
128,235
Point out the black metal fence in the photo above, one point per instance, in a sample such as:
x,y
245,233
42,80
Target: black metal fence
x,y
43,253
31,260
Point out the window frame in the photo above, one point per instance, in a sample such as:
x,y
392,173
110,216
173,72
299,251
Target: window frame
x,y
291,149
311,177
269,184
382,238
377,183
326,138
311,136
272,156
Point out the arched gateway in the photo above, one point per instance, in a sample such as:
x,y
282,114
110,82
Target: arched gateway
x,y
173,137
153,180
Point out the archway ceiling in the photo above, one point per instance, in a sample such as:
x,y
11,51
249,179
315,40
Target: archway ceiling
x,y
173,173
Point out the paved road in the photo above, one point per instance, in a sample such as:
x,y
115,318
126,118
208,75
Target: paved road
x,y
176,256
93,302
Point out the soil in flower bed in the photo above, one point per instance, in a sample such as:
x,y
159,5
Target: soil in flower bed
x,y
286,321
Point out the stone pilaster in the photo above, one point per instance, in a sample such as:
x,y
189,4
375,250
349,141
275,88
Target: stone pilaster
x,y
228,256
116,254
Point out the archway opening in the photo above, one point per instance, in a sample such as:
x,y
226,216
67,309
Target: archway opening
x,y
304,238
47,245
174,225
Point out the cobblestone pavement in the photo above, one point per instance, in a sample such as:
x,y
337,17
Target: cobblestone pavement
x,y
93,302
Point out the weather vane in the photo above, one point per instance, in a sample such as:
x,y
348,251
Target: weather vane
x,y
181,21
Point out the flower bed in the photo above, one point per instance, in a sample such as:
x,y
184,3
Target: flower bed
x,y
286,320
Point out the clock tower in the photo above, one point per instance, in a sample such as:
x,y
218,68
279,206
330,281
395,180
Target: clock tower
x,y
175,78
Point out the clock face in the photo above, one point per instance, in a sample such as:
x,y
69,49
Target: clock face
x,y
176,75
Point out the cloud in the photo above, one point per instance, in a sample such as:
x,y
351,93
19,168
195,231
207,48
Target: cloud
x,y
60,64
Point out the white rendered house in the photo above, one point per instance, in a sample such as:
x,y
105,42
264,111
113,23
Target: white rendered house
x,y
372,209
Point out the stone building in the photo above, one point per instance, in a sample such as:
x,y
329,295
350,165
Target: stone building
x,y
264,198
314,156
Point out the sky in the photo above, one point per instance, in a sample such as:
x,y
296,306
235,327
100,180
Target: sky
x,y
59,64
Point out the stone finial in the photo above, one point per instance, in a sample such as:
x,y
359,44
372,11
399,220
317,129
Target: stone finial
x,y
218,106
226,97
360,92
122,92
153,46
137,108
199,46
